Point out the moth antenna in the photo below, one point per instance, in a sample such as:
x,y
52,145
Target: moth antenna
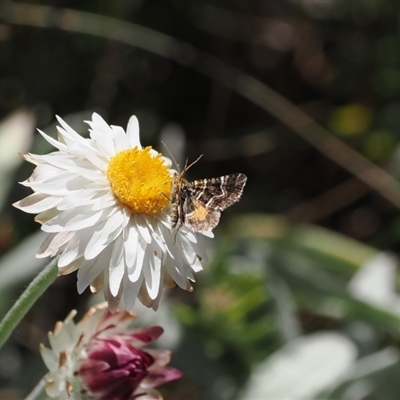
x,y
171,155
194,162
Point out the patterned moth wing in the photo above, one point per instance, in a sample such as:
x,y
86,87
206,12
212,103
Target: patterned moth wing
x,y
198,204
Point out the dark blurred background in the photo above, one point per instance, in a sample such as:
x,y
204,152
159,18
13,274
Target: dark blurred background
x,y
301,96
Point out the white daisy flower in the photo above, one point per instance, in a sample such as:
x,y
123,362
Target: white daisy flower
x,y
105,203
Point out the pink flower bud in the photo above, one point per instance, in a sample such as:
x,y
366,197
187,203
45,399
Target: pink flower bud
x,y
101,359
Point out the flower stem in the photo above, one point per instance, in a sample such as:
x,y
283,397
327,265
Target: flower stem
x,y
37,392
27,299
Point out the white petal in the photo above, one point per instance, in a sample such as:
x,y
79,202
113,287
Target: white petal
x,y
209,234
90,153
57,159
113,301
126,215
70,135
52,243
74,219
176,273
120,138
168,163
196,265
154,153
104,185
136,270
130,245
60,340
102,135
143,227
189,253
156,302
40,160
132,132
91,269
188,272
70,267
32,158
200,251
85,218
186,247
76,246
77,198
170,240
104,201
74,165
117,266
37,203
155,234
47,215
42,173
70,253
152,271
190,235
73,147
143,296
49,358
130,291
60,185
55,143
106,232
100,162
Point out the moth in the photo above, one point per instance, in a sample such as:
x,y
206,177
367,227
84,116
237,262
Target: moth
x,y
199,204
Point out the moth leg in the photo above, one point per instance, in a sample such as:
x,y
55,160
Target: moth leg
x,y
164,195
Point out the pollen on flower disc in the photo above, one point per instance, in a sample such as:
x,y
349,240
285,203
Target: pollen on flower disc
x,y
140,180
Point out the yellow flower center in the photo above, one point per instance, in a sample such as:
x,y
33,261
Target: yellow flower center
x,y
140,181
